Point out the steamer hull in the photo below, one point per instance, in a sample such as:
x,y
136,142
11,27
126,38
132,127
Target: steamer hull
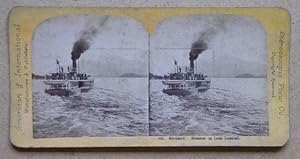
x,y
185,87
67,87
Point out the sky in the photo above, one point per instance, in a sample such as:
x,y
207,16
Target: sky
x,y
236,45
120,45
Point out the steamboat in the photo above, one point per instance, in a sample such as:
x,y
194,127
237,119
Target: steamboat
x,y
185,83
68,83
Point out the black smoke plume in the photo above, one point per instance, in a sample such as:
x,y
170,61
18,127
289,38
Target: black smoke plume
x,y
79,47
85,39
197,48
214,27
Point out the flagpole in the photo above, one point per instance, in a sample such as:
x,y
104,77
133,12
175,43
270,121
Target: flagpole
x,y
175,63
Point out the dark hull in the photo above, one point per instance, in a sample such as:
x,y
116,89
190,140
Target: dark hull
x,y
85,90
184,92
59,92
176,92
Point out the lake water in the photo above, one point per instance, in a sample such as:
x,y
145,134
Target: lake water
x,y
114,107
119,107
232,106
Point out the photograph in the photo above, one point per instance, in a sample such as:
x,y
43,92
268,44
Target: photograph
x,y
90,77
208,77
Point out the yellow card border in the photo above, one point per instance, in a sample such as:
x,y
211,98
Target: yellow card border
x,y
24,20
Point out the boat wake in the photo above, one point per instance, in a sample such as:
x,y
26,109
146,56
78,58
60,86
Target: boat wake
x,y
99,112
217,111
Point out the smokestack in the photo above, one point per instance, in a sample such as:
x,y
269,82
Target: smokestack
x,y
197,48
80,46
74,67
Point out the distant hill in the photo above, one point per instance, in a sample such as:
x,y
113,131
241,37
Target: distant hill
x,y
247,75
134,75
34,76
153,76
